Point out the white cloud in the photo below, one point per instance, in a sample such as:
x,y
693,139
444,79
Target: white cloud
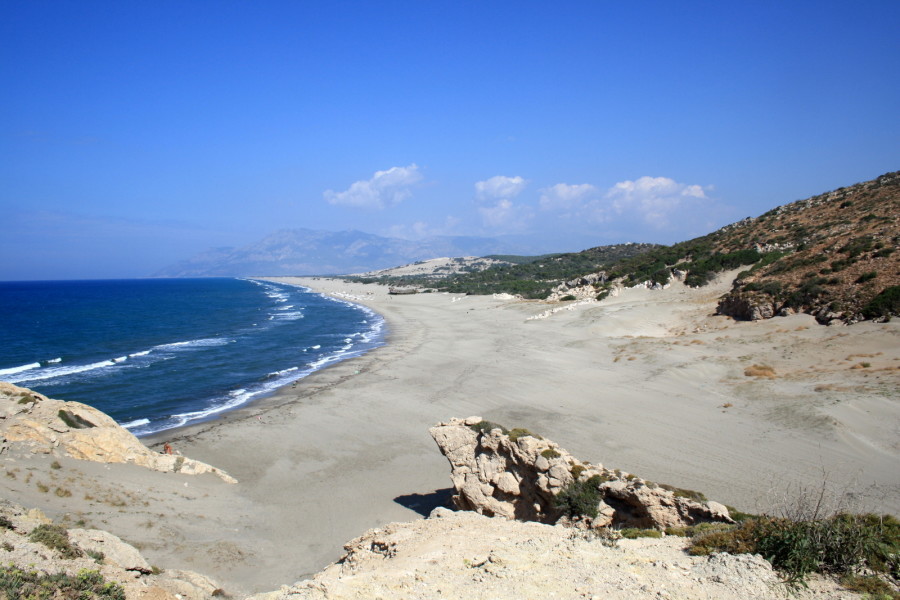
x,y
420,229
385,188
654,200
500,187
567,198
495,203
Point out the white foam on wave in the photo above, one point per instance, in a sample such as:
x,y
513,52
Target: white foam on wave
x,y
135,423
201,343
51,373
282,372
287,316
13,370
54,361
141,353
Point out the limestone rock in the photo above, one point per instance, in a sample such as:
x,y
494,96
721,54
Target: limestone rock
x,y
121,563
463,555
37,424
115,551
518,475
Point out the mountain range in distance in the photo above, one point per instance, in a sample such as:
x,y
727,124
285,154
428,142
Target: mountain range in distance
x,y
313,252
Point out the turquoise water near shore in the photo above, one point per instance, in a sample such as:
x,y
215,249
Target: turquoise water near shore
x,y
161,353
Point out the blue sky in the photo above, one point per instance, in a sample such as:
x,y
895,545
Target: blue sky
x,y
135,134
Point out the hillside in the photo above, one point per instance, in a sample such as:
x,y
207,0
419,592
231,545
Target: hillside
x,y
832,255
532,277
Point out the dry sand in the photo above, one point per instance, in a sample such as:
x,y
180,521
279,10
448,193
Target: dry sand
x,y
648,381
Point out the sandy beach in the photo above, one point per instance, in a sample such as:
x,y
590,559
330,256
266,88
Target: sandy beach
x,y
647,381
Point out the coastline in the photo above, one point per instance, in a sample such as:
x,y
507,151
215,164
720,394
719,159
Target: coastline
x,y
646,381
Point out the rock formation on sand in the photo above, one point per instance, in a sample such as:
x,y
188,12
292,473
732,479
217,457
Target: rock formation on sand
x,y
74,551
463,555
31,422
519,475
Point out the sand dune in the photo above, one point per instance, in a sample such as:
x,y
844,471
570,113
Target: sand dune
x,y
647,381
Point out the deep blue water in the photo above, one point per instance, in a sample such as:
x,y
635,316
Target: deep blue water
x,y
159,353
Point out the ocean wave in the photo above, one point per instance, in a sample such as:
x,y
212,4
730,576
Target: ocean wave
x,y
135,423
54,361
201,343
54,372
13,370
287,316
282,372
141,353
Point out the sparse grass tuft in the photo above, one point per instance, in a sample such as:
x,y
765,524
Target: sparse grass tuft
x,y
487,427
30,585
56,538
760,371
55,465
632,533
873,587
520,432
550,453
5,523
842,543
683,493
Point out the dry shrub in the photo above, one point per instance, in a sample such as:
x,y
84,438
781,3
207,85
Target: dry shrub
x,y
760,371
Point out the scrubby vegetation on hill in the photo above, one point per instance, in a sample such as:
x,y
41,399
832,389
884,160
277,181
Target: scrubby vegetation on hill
x,y
531,277
833,255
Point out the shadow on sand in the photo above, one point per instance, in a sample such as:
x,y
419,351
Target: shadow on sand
x,y
425,503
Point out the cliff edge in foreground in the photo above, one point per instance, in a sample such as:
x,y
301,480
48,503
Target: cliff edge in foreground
x,y
32,423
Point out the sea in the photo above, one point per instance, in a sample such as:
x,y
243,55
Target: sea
x,y
156,354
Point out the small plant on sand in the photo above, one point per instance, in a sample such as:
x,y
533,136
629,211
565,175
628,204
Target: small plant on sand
x,y
56,538
5,523
550,453
760,371
55,465
567,298
580,498
632,533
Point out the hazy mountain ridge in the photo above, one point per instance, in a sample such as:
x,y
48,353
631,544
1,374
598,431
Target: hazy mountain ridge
x,y
312,252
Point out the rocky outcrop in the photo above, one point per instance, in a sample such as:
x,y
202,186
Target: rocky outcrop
x,y
747,306
463,555
582,288
519,475
74,551
31,422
